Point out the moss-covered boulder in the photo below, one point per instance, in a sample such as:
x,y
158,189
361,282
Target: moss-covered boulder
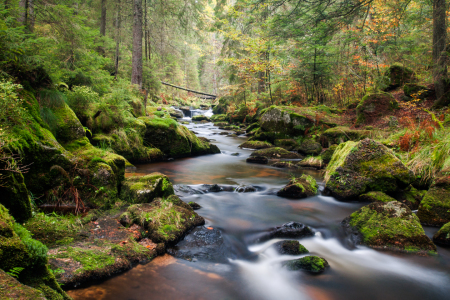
x,y
198,118
240,115
14,196
174,140
219,118
68,126
442,237
398,75
176,113
258,159
360,167
11,288
256,145
143,189
19,252
288,144
434,210
328,154
310,147
413,90
410,196
341,134
301,187
312,264
274,153
294,121
166,220
388,226
252,127
290,248
376,197
374,106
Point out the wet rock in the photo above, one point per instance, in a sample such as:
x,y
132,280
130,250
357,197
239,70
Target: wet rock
x,y
234,154
328,154
224,133
185,189
410,196
194,205
312,264
287,230
434,210
143,189
342,134
388,226
252,127
176,113
185,109
220,124
245,189
310,147
215,188
288,144
290,248
285,164
203,243
256,145
257,160
200,118
275,152
300,187
374,106
312,163
375,197
442,237
360,167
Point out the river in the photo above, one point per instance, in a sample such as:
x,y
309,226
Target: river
x,y
254,270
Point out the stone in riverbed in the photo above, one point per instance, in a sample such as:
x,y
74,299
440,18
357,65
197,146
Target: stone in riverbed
x,y
376,197
274,153
434,209
388,226
442,237
310,147
256,145
301,187
194,205
257,160
143,189
290,248
312,264
287,230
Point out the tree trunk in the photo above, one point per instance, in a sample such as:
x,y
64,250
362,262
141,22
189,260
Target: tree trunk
x,y
116,60
30,15
136,67
439,53
23,12
103,19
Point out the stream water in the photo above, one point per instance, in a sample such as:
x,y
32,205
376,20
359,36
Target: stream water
x,y
254,270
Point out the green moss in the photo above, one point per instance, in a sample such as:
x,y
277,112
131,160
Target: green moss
x,y
256,145
341,134
434,209
275,152
11,288
15,196
328,154
90,260
68,127
376,197
143,189
374,106
338,158
313,264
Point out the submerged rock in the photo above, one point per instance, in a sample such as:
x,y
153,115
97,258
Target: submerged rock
x,y
287,230
290,248
388,226
358,168
143,189
256,145
257,160
301,187
275,152
442,237
313,264
245,189
434,209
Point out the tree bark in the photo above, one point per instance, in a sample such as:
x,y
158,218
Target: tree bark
x,y
136,61
23,12
116,58
30,17
103,19
439,54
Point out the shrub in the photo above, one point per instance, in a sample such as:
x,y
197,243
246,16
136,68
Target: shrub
x,y
11,108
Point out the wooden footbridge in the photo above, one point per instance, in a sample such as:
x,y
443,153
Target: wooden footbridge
x,y
201,94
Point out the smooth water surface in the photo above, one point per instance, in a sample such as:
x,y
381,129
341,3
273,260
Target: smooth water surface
x,y
254,271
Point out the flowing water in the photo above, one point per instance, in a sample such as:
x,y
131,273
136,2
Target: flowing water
x,y
254,271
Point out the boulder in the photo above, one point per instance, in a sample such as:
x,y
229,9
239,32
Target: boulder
x,y
275,153
360,167
388,226
411,197
198,118
288,144
68,126
312,264
11,288
328,154
398,75
290,248
301,187
14,196
194,205
245,189
341,134
442,237
143,189
252,127
219,118
240,115
374,106
310,147
256,145
176,113
413,90
375,197
434,210
287,230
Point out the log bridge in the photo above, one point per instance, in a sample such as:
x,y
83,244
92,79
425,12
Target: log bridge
x,y
202,95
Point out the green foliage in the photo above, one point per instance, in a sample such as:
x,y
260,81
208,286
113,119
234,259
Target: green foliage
x,y
11,105
36,249
80,98
14,272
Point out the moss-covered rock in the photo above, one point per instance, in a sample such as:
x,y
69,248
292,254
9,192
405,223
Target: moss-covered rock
x,y
143,189
398,75
301,187
310,147
388,226
175,140
293,121
200,118
434,210
14,196
275,152
313,264
442,237
11,288
376,197
19,250
411,197
416,91
360,167
240,115
256,145
219,118
68,126
328,154
373,106
341,134
166,220
290,248
176,113
288,144
258,159
312,163
252,127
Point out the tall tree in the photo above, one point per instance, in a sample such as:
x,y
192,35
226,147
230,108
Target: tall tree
x,y
136,61
103,19
440,57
